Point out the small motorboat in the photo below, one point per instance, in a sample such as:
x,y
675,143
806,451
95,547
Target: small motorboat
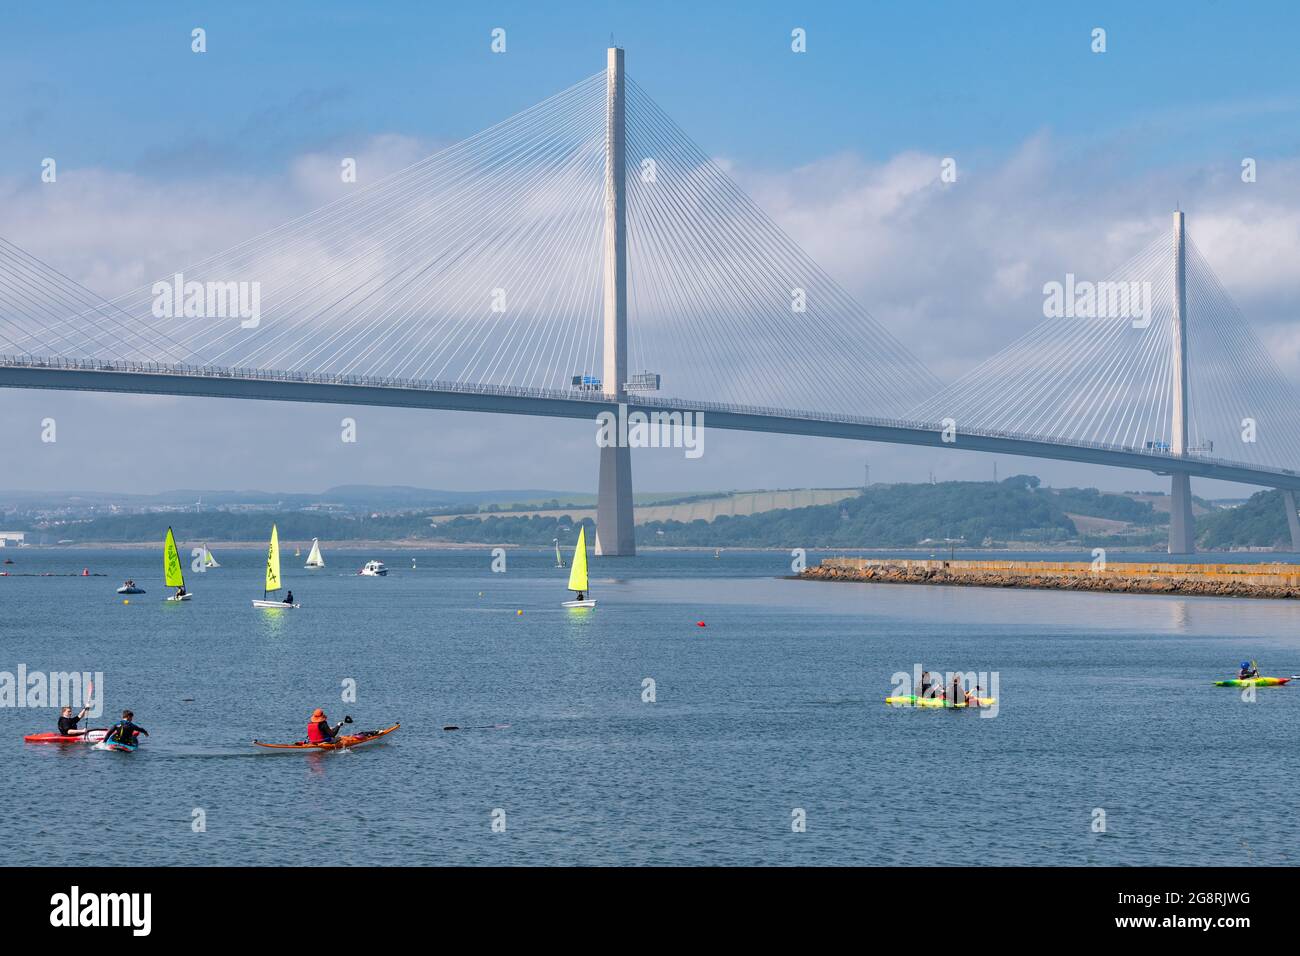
x,y
130,587
374,569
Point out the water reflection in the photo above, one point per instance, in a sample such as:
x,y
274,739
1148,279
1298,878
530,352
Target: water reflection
x,y
1180,615
579,622
271,621
1063,611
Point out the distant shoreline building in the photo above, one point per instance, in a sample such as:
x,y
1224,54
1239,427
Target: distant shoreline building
x,y
12,537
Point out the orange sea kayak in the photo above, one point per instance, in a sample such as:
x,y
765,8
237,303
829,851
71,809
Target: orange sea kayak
x,y
338,743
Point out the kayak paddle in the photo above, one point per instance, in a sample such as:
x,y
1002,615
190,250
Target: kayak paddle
x,y
483,727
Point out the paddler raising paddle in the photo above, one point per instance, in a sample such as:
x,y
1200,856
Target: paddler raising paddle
x,y
319,730
68,723
1248,671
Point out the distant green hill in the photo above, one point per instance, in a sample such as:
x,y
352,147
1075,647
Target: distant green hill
x,y
1260,523
963,514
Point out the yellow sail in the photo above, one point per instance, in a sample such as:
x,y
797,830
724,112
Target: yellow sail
x,y
273,562
172,575
578,576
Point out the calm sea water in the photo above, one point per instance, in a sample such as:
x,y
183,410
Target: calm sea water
x,y
775,705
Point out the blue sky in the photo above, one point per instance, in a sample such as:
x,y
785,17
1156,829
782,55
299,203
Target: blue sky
x,y
116,84
1072,160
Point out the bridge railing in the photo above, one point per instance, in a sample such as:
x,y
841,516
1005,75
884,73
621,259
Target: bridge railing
x,y
594,398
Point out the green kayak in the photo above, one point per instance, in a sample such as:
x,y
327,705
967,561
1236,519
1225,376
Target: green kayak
x,y
1252,682
914,701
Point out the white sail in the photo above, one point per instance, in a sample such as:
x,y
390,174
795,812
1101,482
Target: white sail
x,y
314,560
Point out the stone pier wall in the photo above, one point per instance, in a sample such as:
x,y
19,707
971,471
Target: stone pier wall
x,y
1213,580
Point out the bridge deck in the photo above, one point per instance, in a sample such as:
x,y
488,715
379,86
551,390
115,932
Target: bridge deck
x,y
142,378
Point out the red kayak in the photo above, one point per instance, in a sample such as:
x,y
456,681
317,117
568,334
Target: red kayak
x,y
89,737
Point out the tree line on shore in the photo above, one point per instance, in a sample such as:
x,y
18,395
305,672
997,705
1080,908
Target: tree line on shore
x,y
956,514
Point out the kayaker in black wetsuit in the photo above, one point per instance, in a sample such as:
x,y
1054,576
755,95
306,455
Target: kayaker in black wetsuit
x,y
935,690
126,730
68,723
958,693
1248,671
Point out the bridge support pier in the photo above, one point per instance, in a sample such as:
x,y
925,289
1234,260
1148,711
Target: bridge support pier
x,y
1182,526
615,530
1292,522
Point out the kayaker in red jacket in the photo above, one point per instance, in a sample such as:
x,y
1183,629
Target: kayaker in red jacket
x,y
319,730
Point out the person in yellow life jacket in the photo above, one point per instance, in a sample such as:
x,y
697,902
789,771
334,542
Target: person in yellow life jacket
x,y
319,730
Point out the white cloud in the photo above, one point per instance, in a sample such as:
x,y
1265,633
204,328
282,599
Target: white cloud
x,y
955,270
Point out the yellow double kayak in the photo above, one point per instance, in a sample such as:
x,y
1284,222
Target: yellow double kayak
x,y
914,701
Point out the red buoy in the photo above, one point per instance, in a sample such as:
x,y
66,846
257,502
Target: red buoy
x,y
700,624
85,572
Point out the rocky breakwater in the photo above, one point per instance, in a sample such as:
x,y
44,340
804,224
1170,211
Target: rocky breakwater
x,y
1209,580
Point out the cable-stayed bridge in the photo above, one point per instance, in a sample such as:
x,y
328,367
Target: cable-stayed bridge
x,y
586,255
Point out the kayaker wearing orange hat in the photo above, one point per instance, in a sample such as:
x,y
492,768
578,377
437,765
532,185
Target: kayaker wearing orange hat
x,y
318,729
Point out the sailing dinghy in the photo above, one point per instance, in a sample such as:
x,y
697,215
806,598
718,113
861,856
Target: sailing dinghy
x,y
273,574
578,573
172,575
208,560
314,559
